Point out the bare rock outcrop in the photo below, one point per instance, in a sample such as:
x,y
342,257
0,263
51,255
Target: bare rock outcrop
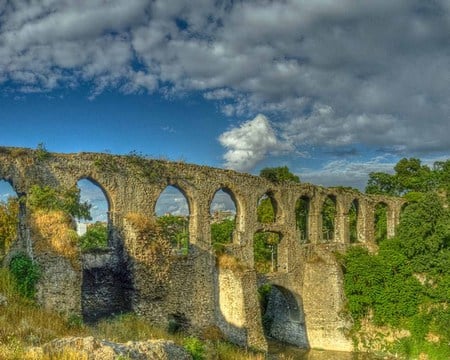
x,y
90,348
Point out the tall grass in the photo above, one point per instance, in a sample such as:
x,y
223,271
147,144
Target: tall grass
x,y
24,325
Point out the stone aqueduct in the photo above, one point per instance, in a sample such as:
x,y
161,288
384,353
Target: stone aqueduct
x,y
307,308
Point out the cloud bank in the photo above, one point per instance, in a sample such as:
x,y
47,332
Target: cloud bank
x,y
327,73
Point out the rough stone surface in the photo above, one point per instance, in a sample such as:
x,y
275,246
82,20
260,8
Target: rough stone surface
x,y
92,349
3,300
195,288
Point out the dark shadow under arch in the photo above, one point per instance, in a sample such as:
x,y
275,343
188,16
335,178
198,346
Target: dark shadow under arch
x,y
282,316
106,280
353,221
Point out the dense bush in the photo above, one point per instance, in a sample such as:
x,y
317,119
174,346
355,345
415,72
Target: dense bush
x,y
406,284
48,198
95,238
26,274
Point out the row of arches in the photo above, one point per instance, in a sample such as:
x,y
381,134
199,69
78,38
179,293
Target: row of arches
x,y
173,211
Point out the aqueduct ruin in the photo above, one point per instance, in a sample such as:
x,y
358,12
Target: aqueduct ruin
x,y
306,307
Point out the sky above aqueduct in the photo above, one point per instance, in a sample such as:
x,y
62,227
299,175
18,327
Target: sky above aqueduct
x,y
332,89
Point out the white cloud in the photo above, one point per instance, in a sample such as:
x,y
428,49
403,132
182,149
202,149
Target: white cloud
x,y
347,173
249,143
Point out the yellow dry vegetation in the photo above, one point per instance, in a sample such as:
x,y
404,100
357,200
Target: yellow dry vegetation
x,y
226,261
52,231
149,248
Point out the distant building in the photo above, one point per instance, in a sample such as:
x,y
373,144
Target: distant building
x,y
81,228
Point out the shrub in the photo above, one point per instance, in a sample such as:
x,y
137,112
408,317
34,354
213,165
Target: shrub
x,y
95,238
47,198
41,152
194,347
26,274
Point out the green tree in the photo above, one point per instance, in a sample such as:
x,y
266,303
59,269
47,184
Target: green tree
x,y
328,218
176,230
301,217
407,282
265,211
222,234
278,174
382,184
48,198
95,238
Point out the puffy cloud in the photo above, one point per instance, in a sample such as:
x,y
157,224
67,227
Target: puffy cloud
x,y
326,72
249,143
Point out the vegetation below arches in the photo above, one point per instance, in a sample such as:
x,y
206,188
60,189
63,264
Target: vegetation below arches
x,y
406,284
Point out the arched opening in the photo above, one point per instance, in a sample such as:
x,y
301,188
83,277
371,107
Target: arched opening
x,y
94,233
172,212
106,284
380,222
265,251
353,221
328,218
282,315
301,218
9,218
222,219
267,209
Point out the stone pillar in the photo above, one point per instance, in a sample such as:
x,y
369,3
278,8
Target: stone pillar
x,y
393,218
315,220
341,223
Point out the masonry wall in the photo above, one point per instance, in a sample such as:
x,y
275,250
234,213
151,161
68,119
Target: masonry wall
x,y
195,289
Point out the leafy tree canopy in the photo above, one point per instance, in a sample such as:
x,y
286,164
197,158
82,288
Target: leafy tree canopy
x,y
278,174
48,198
410,176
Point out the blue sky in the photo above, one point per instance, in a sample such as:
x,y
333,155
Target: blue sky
x,y
334,90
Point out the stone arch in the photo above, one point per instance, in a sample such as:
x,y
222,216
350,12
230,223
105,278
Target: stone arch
x,y
329,215
106,281
302,212
172,210
354,227
92,192
223,210
265,251
282,315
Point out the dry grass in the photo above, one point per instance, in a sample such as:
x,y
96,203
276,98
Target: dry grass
x,y
24,327
149,248
52,231
229,262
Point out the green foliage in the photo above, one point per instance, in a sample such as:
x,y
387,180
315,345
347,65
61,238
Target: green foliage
x,y
328,218
265,246
407,283
9,222
278,174
26,274
353,223
380,222
95,238
175,229
41,152
222,234
195,348
410,176
48,198
265,211
301,217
